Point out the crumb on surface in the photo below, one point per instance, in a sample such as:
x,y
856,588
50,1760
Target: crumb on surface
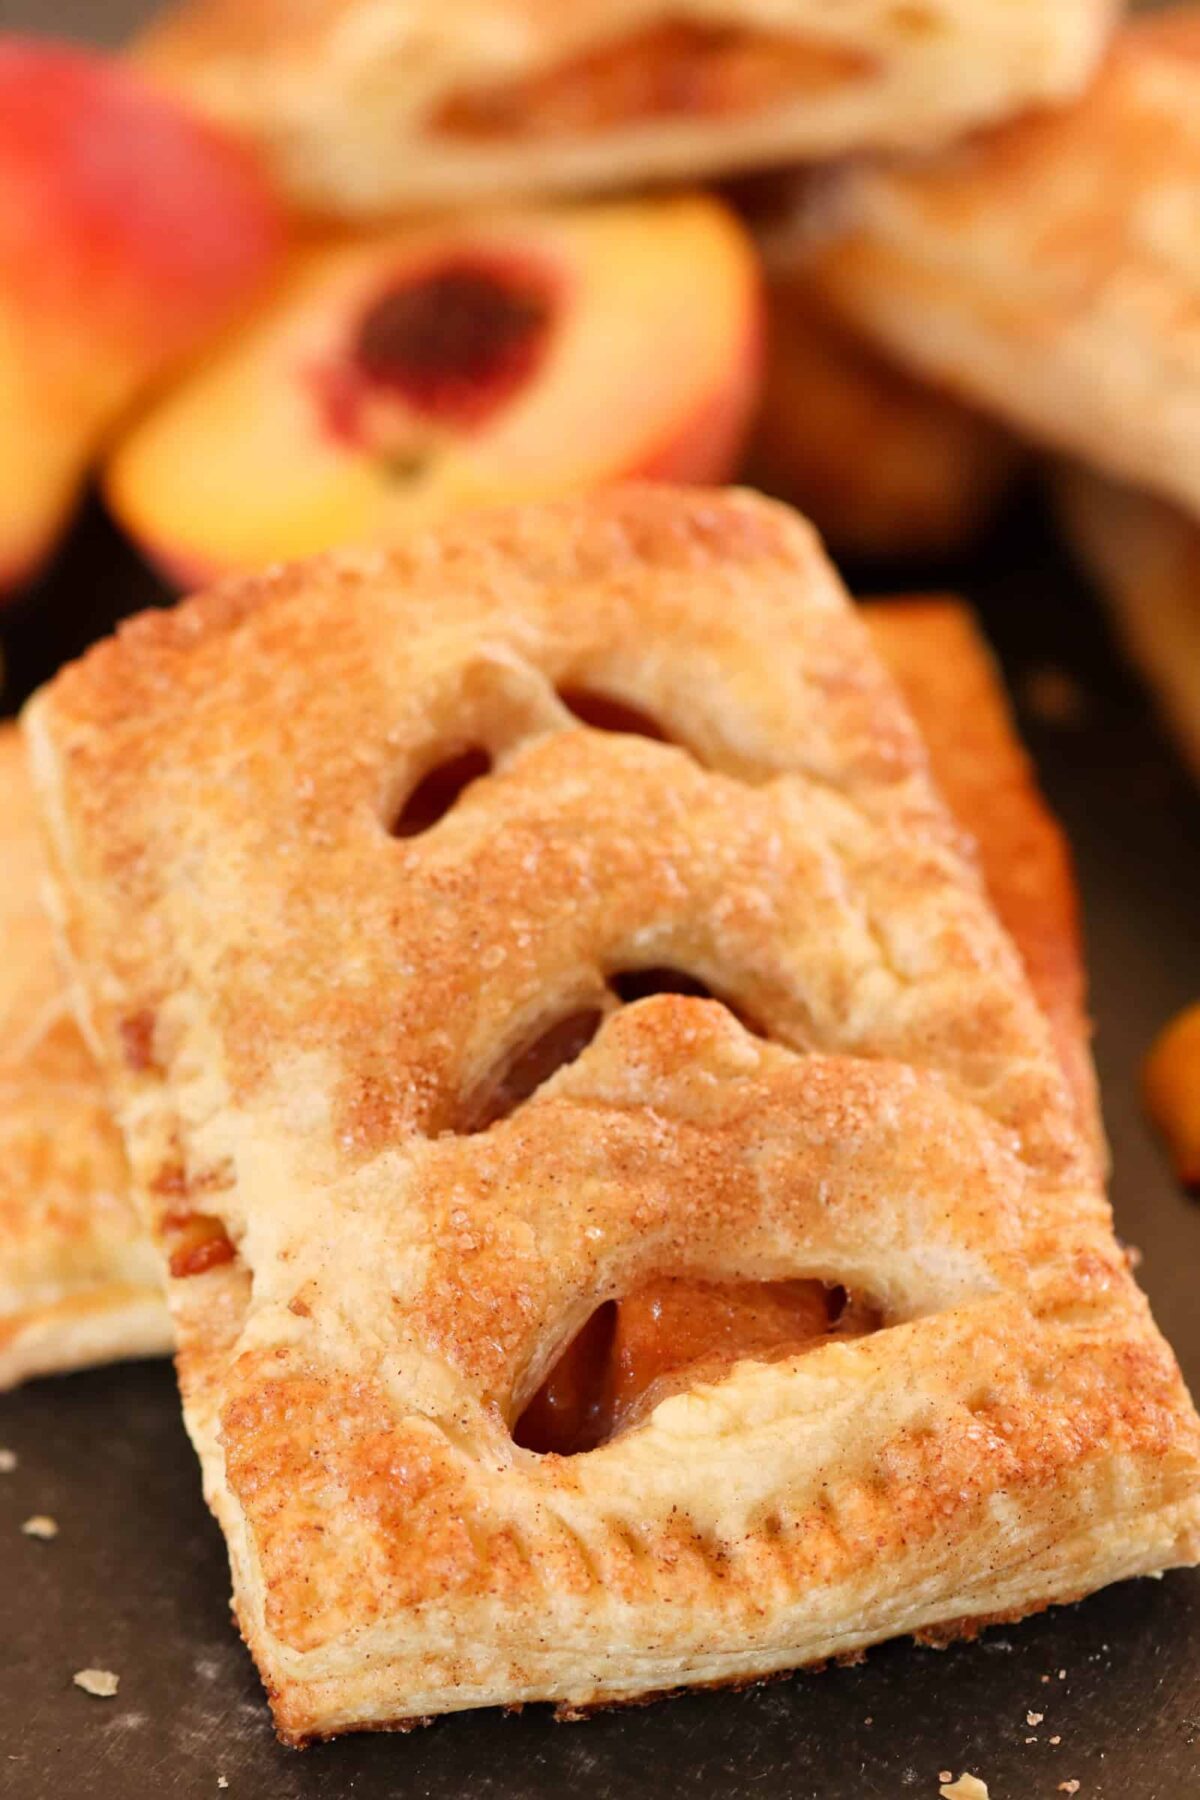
x,y
1068,1787
1056,1740
1032,1718
8,1461
946,1775
967,1787
100,1682
222,1781
41,1526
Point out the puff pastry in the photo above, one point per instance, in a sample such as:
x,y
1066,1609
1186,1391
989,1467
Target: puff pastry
x,y
1145,556
936,471
311,995
79,1283
367,106
1049,270
77,1291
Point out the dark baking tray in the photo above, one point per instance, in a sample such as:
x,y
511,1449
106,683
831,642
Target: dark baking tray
x,y
136,1580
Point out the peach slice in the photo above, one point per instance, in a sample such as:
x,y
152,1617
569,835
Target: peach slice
x,y
882,464
450,365
129,232
1171,1084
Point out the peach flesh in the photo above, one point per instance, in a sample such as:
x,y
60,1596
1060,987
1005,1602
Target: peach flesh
x,y
341,412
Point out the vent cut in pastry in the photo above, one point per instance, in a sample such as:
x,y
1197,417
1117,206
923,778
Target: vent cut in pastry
x,y
79,1283
480,933
1049,270
365,106
1145,557
115,1307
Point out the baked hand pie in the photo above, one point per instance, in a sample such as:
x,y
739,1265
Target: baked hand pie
x,y
79,1282
77,1286
936,471
483,932
372,106
1145,557
1048,269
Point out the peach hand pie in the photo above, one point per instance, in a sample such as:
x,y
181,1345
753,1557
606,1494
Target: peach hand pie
x,y
81,1286
79,1283
369,106
1145,557
537,917
935,473
1049,269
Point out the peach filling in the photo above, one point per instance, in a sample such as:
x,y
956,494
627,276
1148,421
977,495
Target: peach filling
x,y
195,1243
674,70
668,1335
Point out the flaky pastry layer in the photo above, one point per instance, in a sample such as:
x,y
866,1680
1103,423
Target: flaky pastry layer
x,y
295,1008
1145,557
367,106
79,1283
883,465
1049,270
78,1286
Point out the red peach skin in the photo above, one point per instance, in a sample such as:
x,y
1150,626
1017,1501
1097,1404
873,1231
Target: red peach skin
x,y
130,232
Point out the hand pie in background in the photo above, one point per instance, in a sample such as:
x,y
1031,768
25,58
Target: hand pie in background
x,y
883,464
1145,558
1048,270
79,1283
368,107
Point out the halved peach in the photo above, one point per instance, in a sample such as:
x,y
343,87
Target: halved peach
x,y
1171,1084
129,232
450,365
883,464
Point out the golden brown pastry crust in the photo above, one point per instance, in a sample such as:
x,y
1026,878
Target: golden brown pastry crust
x,y
1145,557
368,106
78,1281
103,1296
1048,270
292,1007
943,668
935,471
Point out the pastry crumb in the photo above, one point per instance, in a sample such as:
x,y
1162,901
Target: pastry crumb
x,y
1031,1740
1068,1787
100,1682
1032,1718
1062,1674
967,1787
946,1775
222,1781
1056,1740
41,1526
8,1461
